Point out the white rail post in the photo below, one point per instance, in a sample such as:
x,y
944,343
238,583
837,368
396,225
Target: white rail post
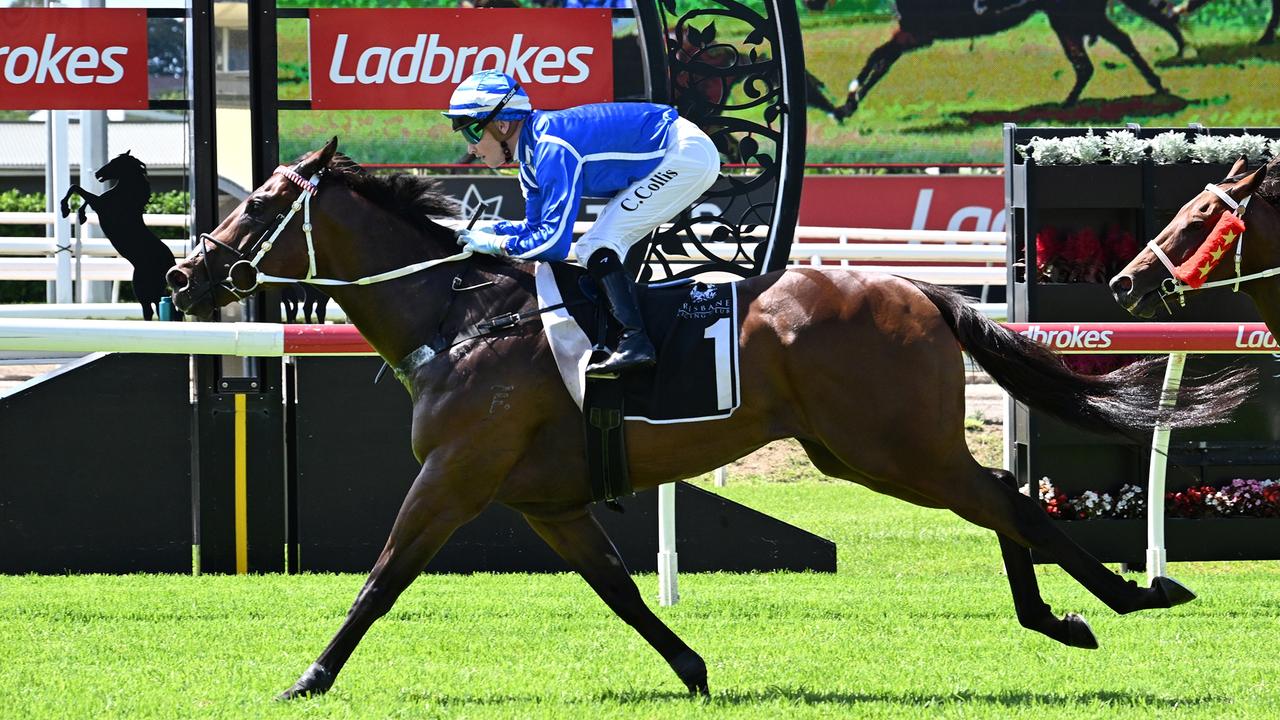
x,y
60,172
722,475
1156,559
668,592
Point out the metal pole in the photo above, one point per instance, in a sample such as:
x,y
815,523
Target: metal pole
x,y
1159,463
60,171
668,592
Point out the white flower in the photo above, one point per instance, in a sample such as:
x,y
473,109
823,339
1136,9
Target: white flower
x,y
1170,147
1083,149
1046,151
1123,147
1253,147
1210,149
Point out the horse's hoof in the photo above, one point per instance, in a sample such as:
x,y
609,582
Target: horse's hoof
x,y
1079,634
1171,591
315,681
692,671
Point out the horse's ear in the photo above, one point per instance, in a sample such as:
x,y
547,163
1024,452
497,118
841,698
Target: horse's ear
x,y
1242,164
129,152
1249,183
320,159
709,32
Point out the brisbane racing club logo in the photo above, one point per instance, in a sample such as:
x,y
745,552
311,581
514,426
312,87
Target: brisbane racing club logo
x,y
1073,339
644,192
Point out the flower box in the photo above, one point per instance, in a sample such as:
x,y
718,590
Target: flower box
x,y
1206,539
1077,186
1173,185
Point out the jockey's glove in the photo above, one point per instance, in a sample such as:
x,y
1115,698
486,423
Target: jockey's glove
x,y
483,241
481,226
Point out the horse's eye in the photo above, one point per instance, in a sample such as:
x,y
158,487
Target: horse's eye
x,y
253,207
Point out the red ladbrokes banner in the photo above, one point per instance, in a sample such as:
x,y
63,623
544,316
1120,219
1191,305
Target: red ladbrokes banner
x,y
73,58
405,59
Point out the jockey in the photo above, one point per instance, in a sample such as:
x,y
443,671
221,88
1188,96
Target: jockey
x,y
650,162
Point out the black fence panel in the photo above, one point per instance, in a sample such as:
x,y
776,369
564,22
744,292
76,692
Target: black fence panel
x,y
95,468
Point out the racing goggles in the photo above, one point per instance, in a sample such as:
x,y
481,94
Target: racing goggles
x,y
472,129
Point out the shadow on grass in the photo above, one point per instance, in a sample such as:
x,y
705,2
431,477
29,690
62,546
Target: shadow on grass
x,y
1113,111
1223,55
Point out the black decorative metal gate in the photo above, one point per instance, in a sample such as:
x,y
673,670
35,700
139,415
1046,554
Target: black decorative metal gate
x,y
738,74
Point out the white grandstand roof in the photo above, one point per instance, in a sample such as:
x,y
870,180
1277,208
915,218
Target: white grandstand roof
x,y
161,145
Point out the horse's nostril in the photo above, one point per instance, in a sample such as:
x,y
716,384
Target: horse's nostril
x,y
1121,285
177,279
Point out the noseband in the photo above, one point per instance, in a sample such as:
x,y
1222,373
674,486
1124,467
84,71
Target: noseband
x,y
266,242
1173,286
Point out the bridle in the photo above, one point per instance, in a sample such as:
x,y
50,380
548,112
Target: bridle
x,y
247,261
1173,286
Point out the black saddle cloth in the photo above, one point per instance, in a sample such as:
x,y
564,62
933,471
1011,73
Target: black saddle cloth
x,y
694,327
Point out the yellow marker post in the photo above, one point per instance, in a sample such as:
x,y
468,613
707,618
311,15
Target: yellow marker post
x,y
241,481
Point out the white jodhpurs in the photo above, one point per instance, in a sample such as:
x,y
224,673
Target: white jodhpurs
x,y
689,167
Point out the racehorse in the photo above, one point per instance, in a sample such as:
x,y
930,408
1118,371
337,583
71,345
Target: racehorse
x,y
1147,284
920,22
119,212
865,370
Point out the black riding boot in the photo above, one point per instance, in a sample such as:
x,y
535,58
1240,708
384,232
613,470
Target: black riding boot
x,y
634,348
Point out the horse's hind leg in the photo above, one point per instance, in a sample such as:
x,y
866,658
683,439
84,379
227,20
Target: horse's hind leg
x,y
1032,611
1124,44
429,515
979,498
580,540
878,63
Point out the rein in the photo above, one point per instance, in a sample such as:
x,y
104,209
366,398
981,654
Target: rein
x,y
1173,286
264,245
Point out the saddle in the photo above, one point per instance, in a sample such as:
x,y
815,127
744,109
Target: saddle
x,y
694,327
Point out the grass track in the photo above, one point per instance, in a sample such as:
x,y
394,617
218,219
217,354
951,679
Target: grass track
x,y
918,620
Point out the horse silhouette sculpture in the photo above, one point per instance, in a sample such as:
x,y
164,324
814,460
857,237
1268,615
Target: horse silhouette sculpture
x,y
119,212
865,370
307,298
921,22
1147,285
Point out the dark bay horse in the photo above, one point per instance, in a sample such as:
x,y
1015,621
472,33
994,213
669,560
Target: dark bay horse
x,y
921,22
120,211
865,370
1145,285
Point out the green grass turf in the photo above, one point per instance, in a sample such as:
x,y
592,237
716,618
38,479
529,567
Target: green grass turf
x,y
917,621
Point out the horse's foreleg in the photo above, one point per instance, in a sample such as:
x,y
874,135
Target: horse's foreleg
x,y
583,544
1033,612
1269,34
429,515
1124,44
1073,45
65,205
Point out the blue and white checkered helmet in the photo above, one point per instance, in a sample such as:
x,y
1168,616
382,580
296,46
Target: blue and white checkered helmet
x,y
479,94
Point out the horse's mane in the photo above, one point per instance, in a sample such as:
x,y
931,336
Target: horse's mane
x,y
416,198
1269,190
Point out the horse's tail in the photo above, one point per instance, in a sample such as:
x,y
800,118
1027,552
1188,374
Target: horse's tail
x,y
1160,12
1123,400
